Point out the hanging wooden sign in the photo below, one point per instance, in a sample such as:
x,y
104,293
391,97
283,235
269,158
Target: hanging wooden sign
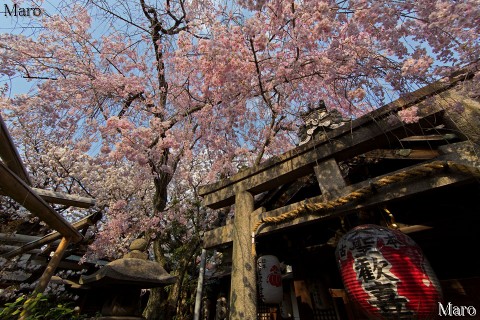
x,y
385,272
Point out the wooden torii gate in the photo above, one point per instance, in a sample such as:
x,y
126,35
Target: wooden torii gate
x,y
15,183
370,134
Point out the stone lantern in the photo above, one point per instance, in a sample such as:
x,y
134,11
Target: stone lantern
x,y
123,280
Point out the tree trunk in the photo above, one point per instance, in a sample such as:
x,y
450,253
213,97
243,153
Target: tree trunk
x,y
160,304
166,304
155,308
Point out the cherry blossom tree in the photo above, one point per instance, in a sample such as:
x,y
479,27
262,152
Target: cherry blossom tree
x,y
138,103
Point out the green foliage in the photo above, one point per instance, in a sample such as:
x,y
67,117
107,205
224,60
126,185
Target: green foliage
x,y
38,307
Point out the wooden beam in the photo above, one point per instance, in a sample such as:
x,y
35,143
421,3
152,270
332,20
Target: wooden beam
x,y
465,123
211,237
414,228
463,152
9,154
466,152
52,265
401,154
430,137
6,248
65,198
292,166
401,191
329,177
85,222
16,238
395,192
19,191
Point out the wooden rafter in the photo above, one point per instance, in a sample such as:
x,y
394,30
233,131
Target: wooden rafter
x,y
65,199
49,238
401,154
10,155
18,190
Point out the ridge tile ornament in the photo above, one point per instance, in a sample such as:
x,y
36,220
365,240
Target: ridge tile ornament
x,y
385,272
124,278
319,120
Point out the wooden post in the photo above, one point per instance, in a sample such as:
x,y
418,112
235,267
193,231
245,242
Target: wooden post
x,y
329,178
52,265
201,274
243,292
46,276
340,293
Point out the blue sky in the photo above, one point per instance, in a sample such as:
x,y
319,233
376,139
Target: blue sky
x,y
26,25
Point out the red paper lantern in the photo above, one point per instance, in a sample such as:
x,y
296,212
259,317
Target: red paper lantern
x,y
386,274
269,279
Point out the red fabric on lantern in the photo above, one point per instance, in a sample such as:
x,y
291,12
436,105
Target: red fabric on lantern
x,y
386,274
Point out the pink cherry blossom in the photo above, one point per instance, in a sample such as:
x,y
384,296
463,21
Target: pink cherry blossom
x,y
138,105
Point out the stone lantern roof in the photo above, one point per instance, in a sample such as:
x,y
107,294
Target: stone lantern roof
x,y
132,270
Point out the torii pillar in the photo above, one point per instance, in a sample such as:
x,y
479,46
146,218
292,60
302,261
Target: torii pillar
x,y
243,292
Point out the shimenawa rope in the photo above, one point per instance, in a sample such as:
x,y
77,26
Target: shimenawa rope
x,y
422,170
